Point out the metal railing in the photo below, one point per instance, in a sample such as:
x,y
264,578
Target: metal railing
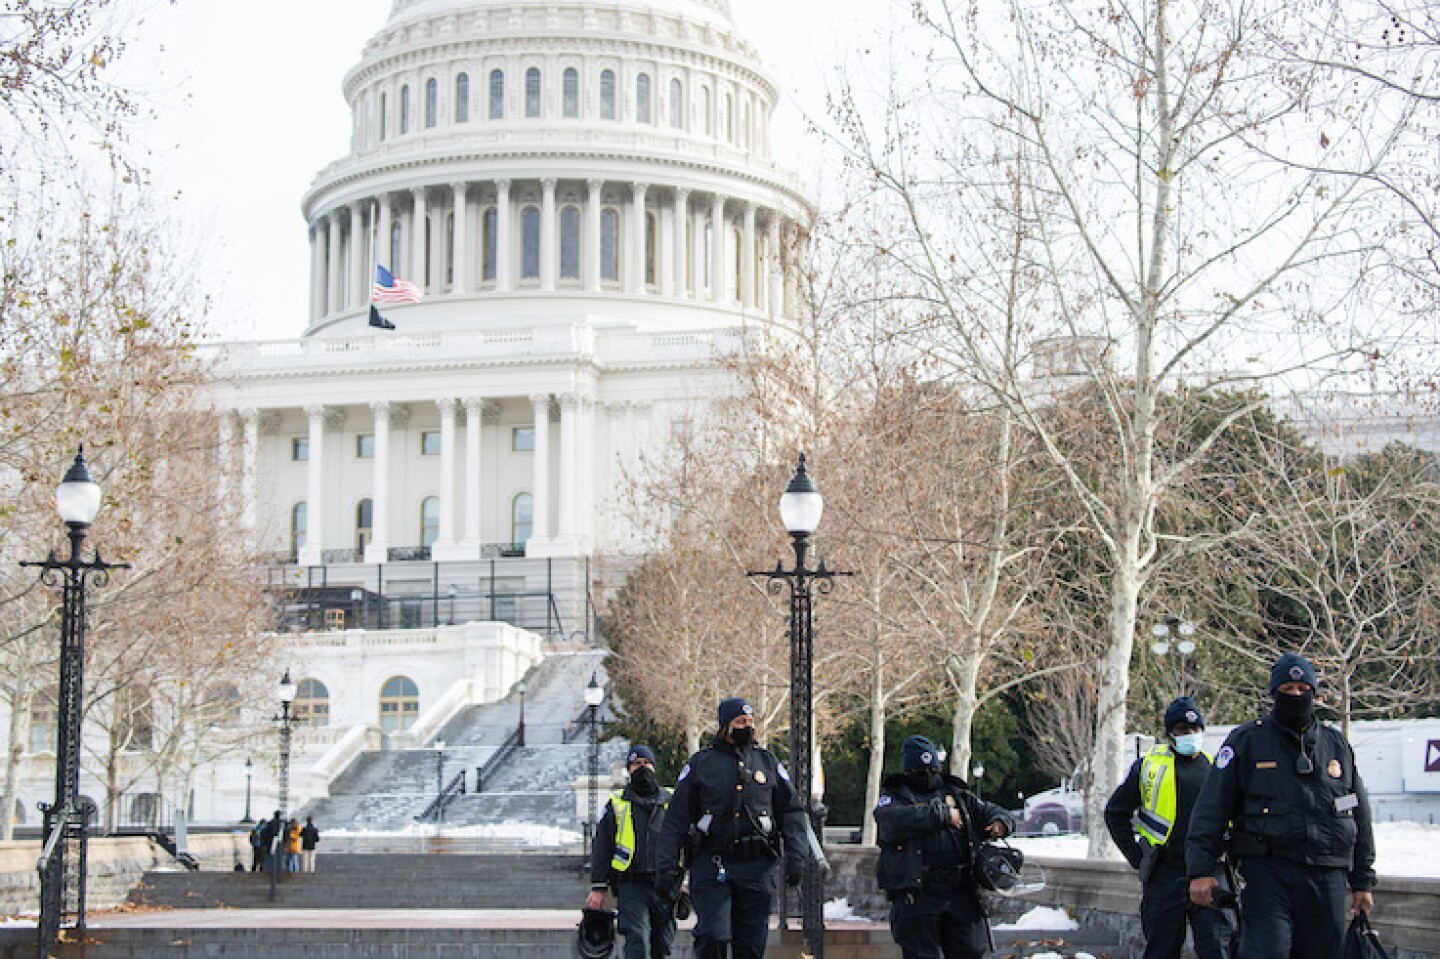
x,y
454,789
486,771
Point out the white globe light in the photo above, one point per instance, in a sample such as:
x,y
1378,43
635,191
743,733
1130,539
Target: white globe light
x,y
801,504
77,498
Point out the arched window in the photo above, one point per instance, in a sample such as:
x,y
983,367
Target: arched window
x,y
532,92
497,94
705,108
299,521
570,243
708,255
395,236
727,120
570,89
364,518
610,245
607,94
677,104
405,109
462,98
642,98
735,260
522,518
432,102
429,521
223,703
449,250
530,243
745,125
488,234
384,114
399,704
652,248
312,704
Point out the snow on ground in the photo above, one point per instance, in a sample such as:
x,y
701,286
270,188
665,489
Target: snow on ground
x,y
1401,848
1045,918
840,910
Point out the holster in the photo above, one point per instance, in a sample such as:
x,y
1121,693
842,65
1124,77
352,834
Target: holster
x,y
1244,844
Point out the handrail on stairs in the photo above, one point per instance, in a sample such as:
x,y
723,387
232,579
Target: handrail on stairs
x,y
486,771
435,812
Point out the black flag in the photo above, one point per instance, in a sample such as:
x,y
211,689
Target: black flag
x,y
379,321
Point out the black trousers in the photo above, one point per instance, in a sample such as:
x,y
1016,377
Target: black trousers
x,y
937,922
1164,910
734,915
1291,910
647,920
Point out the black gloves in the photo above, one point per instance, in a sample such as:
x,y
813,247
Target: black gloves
x,y
794,871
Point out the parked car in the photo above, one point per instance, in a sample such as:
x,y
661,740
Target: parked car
x,y
1054,812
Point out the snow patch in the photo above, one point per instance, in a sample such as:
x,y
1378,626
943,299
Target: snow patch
x,y
1041,917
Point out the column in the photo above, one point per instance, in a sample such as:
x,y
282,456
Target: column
x,y
774,295
382,236
717,249
569,467
635,271
445,537
696,223
791,292
310,554
458,245
682,249
504,256
474,417
249,473
225,453
317,272
358,279
747,257
419,234
378,549
547,234
335,296
540,481
592,235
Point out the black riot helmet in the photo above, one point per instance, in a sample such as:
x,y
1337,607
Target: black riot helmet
x,y
596,937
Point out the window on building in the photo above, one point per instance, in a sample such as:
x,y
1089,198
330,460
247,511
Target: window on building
x,y
745,124
652,248
44,723
522,518
610,245
364,523
462,98
530,243
429,442
522,439
705,106
497,94
680,429
727,118
384,115
677,104
570,92
399,704
708,254
642,98
223,700
570,243
133,720
405,109
299,522
432,102
607,94
532,92
488,236
312,704
365,446
299,449
449,250
735,261
429,521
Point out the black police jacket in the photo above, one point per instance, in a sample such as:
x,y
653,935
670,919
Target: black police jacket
x,y
741,791
907,823
1319,818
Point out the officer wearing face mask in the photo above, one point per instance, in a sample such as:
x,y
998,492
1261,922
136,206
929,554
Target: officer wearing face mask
x,y
733,803
927,825
1156,800
623,859
1301,825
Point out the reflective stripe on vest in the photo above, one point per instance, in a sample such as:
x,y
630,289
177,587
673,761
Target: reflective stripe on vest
x,y
624,833
1156,815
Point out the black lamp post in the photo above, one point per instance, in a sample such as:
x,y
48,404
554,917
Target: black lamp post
x,y
78,500
800,509
249,769
1182,647
594,696
522,689
286,722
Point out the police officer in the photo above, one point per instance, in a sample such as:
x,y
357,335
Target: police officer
x,y
736,801
1301,828
928,824
623,859
1157,797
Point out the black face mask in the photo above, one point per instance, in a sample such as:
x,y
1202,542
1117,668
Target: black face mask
x,y
742,736
922,780
644,781
1295,712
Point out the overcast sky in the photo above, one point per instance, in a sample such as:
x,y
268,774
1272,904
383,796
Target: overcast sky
x,y
249,109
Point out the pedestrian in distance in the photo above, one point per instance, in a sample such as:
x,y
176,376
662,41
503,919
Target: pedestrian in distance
x,y
257,846
623,860
928,825
1301,825
309,839
735,806
292,846
1156,800
273,837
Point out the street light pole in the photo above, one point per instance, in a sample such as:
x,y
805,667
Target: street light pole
x,y
977,772
522,689
594,696
1183,647
800,509
78,500
249,768
286,723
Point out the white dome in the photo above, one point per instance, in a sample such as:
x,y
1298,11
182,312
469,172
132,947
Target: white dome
x,y
404,9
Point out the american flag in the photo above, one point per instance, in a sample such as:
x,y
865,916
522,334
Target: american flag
x,y
392,289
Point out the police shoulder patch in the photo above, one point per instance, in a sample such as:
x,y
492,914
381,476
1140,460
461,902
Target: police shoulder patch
x,y
683,773
780,768
1223,757
884,801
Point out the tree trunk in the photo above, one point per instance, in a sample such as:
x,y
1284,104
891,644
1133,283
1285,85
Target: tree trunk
x,y
1108,765
20,702
875,770
962,720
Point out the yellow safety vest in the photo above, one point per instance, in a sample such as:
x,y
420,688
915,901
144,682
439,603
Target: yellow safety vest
x,y
624,832
1156,815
